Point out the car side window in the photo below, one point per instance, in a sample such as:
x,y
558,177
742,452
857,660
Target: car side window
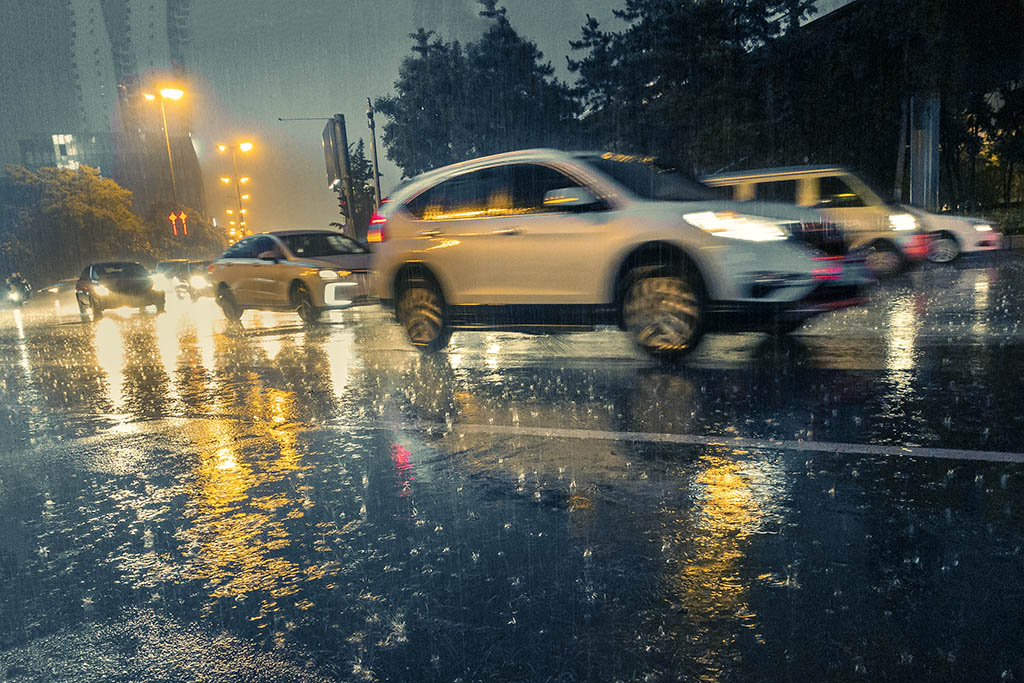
x,y
776,191
86,274
262,244
477,194
833,192
530,182
241,249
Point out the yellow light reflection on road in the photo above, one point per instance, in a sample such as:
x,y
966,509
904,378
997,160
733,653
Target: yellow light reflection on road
x,y
110,358
339,356
243,505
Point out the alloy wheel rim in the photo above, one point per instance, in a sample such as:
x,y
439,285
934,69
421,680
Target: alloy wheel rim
x,y
661,313
421,313
883,261
943,250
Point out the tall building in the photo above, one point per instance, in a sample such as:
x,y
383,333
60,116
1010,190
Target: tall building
x,y
82,97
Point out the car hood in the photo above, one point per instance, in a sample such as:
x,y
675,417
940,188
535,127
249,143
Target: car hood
x,y
935,221
346,261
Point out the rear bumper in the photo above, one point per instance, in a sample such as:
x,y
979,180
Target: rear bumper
x,y
747,316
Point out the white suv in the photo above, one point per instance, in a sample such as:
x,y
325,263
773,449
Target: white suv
x,y
891,237
549,240
306,271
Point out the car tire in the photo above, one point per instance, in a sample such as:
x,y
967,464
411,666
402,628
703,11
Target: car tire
x,y
303,303
943,248
422,311
161,305
663,310
884,260
228,305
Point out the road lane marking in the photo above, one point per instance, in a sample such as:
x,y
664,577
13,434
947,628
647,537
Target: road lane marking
x,y
740,442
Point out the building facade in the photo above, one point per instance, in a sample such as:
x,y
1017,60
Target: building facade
x,y
96,59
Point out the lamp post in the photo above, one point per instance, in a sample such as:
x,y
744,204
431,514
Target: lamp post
x,y
238,180
168,94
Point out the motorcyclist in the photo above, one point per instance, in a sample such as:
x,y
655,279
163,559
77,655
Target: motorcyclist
x,y
18,288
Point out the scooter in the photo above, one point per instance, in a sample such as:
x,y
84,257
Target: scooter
x,y
18,293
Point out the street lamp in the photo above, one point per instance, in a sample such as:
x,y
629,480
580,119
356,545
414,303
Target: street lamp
x,y
167,94
240,147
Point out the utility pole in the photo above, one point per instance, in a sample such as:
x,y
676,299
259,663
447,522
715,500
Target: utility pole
x,y
373,153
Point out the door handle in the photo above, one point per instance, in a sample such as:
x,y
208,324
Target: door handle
x,y
508,231
429,233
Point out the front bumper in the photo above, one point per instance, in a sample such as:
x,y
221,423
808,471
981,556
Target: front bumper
x,y
752,316
353,290
118,300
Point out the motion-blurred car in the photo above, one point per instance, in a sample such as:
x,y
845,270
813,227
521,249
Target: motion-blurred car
x,y
193,283
952,236
549,240
306,271
115,284
891,237
167,274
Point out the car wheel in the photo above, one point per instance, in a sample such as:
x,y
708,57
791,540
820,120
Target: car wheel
x,y
943,248
663,311
421,311
161,305
303,303
95,309
883,260
226,300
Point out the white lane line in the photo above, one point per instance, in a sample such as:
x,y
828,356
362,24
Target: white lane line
x,y
739,442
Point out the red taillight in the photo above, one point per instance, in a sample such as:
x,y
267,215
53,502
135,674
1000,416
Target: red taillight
x,y
834,271
209,269
377,231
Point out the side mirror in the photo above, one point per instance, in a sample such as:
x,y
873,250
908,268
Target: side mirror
x,y
570,199
269,256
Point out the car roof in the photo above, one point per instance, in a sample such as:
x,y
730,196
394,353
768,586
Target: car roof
x,y
115,263
756,173
314,231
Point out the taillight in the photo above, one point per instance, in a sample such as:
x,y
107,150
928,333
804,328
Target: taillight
x,y
377,231
832,271
209,269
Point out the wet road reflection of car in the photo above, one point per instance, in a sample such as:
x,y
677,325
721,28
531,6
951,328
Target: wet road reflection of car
x,y
103,286
193,282
330,505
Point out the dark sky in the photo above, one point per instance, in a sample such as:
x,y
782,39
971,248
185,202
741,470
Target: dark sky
x,y
261,59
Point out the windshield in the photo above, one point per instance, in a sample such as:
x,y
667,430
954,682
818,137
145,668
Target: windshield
x,y
314,245
649,179
120,270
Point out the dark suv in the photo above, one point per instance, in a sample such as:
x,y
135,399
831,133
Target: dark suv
x,y
115,284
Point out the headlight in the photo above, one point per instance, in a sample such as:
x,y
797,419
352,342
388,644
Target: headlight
x,y
160,282
52,290
902,221
736,226
13,296
983,227
101,290
328,275
197,281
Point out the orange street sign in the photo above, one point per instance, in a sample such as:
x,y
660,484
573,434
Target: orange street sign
x,y
184,226
174,223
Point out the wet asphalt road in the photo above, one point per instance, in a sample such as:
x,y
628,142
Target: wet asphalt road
x,y
185,500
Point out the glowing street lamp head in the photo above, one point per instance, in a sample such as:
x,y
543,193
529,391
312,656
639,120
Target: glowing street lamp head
x,y
222,148
245,196
171,93
244,179
149,96
245,146
225,180
231,211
